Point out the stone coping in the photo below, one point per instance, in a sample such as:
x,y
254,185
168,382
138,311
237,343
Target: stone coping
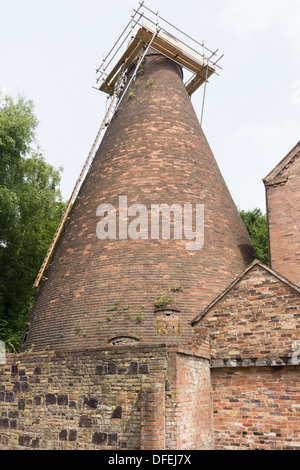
x,y
111,349
254,362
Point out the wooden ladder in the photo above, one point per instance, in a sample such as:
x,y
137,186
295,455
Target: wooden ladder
x,y
75,191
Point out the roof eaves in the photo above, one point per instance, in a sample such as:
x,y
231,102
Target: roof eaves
x,y
283,163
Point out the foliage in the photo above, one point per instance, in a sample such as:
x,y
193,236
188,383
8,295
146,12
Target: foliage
x,y
149,82
256,224
177,289
11,338
131,93
30,208
163,301
118,308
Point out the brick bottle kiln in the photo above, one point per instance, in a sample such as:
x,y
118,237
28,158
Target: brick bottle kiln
x,y
100,292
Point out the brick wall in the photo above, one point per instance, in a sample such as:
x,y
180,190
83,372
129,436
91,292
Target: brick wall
x,y
153,413
114,398
194,397
256,408
283,210
258,317
253,325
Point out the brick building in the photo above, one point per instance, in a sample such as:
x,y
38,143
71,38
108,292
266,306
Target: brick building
x,y
283,211
143,344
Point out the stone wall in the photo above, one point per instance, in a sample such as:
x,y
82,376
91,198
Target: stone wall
x,y
125,397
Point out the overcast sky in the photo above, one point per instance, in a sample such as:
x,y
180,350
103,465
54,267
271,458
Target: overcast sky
x,y
49,51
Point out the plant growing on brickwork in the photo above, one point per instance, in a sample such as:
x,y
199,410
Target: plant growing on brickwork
x,y
139,314
118,308
131,93
149,82
163,301
29,350
141,69
115,306
78,328
177,289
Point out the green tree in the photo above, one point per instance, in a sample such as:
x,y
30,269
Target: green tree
x,y
256,224
30,208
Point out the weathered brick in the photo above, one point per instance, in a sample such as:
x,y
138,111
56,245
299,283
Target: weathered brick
x,y
14,369
91,402
63,435
99,438
21,404
50,399
85,421
72,435
37,400
283,211
117,413
113,439
62,400
24,440
257,419
4,423
101,369
10,397
35,443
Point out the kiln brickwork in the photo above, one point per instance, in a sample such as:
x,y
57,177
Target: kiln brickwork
x,y
283,211
153,152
